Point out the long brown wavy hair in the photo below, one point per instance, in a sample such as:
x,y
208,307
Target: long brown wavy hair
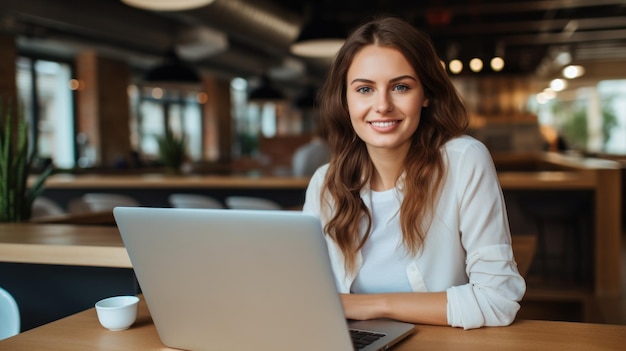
x,y
350,166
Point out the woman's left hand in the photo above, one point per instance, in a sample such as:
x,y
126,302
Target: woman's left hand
x,y
361,306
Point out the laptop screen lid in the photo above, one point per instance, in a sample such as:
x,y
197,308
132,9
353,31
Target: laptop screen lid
x,y
228,279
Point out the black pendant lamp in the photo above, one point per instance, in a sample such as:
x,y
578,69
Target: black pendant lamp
x,y
320,37
173,72
308,99
265,92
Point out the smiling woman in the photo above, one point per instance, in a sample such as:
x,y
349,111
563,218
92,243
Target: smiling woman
x,y
413,214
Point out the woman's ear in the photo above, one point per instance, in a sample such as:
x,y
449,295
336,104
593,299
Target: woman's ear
x,y
425,103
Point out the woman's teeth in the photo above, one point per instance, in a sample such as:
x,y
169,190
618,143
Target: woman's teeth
x,y
383,124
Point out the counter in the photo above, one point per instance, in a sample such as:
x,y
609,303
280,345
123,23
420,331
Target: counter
x,y
83,332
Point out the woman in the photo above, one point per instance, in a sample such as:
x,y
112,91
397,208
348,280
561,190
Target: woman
x,y
412,210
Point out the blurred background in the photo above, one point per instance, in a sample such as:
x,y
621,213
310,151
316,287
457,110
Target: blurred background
x,y
536,75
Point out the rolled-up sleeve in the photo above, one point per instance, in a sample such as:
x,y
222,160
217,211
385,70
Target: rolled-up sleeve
x,y
491,298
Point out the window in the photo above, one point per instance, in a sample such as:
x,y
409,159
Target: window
x,y
588,119
44,92
261,119
153,110
613,108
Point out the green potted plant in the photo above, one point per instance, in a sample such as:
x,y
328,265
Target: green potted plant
x,y
16,162
172,151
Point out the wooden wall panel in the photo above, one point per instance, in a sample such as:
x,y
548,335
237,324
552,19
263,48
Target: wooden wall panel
x,y
103,107
8,55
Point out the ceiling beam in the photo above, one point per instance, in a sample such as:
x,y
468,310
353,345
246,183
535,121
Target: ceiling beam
x,y
565,38
525,6
530,26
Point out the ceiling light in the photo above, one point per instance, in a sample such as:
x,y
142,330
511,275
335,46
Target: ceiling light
x,y
558,84
320,48
476,64
167,5
542,98
573,71
497,61
545,96
456,66
318,39
497,64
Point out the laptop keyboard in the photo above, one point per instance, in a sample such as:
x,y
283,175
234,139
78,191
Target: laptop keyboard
x,y
362,338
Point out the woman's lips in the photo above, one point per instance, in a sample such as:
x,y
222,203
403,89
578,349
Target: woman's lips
x,y
384,125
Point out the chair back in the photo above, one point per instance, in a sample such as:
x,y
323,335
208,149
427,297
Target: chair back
x,y
251,203
9,315
179,200
45,207
105,201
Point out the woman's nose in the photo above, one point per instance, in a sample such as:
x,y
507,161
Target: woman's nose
x,y
383,103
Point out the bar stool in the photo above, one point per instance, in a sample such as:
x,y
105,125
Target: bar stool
x,y
564,215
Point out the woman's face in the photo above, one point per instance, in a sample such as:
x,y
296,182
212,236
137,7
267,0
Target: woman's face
x,y
385,98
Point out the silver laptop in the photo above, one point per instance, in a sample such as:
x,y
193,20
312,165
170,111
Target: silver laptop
x,y
241,280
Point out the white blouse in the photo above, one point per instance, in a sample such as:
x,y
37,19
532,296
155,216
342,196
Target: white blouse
x,y
467,251
383,248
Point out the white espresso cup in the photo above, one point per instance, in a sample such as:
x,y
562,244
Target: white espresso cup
x,y
117,312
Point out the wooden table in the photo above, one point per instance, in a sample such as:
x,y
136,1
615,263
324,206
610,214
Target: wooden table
x,y
83,332
63,244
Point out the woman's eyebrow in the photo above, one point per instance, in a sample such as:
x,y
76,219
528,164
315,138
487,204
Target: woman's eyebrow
x,y
361,80
393,80
403,78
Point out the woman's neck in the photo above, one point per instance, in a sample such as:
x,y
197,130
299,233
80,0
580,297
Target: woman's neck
x,y
388,166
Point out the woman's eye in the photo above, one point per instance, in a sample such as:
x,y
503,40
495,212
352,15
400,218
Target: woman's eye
x,y
401,87
364,90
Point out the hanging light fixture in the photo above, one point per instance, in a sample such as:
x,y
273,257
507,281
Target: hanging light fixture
x,y
456,66
476,64
318,38
167,5
307,99
573,71
497,61
173,73
265,92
